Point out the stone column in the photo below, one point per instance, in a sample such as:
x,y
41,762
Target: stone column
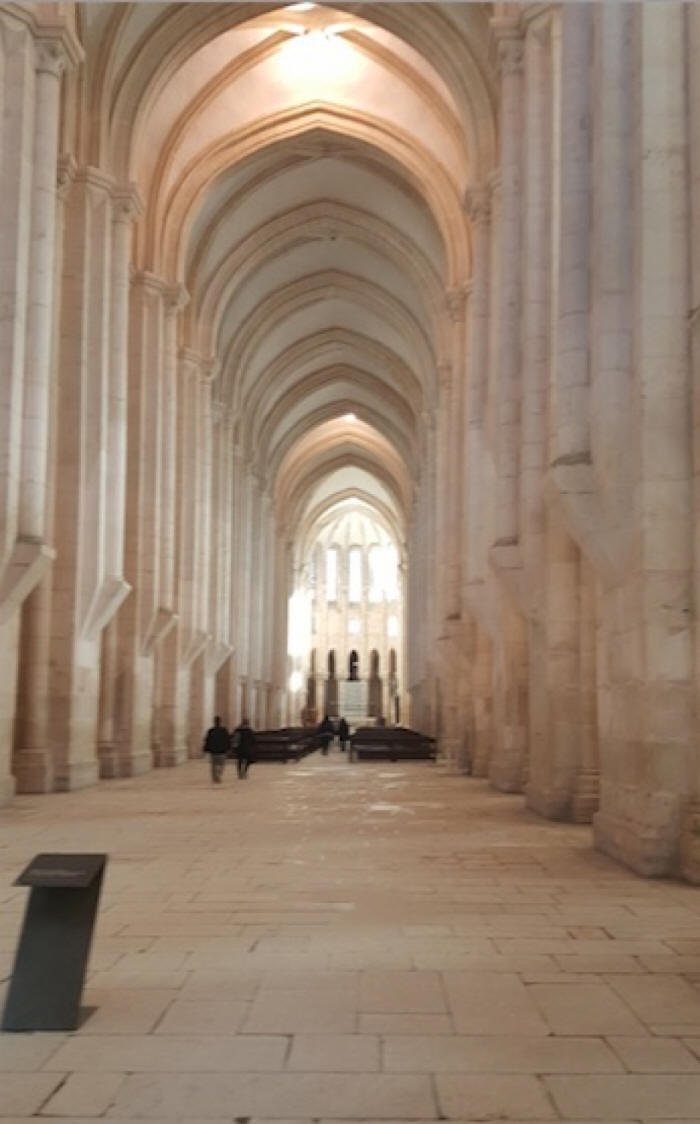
x,y
587,784
17,97
182,646
32,764
482,687
85,595
115,758
644,781
473,548
690,834
571,389
510,57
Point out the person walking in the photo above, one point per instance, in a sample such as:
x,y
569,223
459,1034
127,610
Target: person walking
x,y
326,734
216,744
343,734
244,745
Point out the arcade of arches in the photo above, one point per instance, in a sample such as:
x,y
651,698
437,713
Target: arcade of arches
x,y
435,266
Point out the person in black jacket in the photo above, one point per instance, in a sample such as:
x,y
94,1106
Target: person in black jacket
x,y
326,734
243,742
216,744
343,734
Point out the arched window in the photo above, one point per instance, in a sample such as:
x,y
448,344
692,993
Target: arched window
x,y
355,575
376,573
391,579
332,574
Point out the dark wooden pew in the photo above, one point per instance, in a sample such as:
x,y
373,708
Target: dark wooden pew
x,y
290,743
393,743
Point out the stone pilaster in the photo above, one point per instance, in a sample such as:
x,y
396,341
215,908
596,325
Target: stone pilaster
x,y
647,755
32,758
478,204
116,755
510,56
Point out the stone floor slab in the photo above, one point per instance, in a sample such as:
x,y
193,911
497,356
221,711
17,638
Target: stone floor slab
x,y
131,1011
460,1054
495,1004
633,1097
228,1096
334,1053
84,1094
23,1096
405,1024
493,1098
203,1017
27,1052
596,1009
655,1055
659,998
416,993
170,1054
299,1012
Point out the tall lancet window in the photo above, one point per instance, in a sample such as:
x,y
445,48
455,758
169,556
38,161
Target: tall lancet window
x,y
331,575
376,573
355,575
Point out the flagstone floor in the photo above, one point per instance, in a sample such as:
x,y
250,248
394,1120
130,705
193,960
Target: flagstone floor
x,y
364,942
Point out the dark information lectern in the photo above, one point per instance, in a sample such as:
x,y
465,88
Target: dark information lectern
x,y
54,945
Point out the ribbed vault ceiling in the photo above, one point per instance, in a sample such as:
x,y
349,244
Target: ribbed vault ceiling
x,y
303,171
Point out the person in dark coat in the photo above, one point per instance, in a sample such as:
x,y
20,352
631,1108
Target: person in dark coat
x,y
216,744
343,734
326,734
244,745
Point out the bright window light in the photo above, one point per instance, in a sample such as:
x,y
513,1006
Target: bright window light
x,y
392,626
355,575
354,626
331,575
299,635
296,680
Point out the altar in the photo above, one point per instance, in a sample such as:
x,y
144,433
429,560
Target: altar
x,y
353,700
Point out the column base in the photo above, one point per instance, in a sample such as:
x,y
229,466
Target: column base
x,y
77,774
506,770
7,790
167,758
586,797
116,762
33,771
449,755
648,848
548,803
690,843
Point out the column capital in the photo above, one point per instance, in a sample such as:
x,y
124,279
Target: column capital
x,y
150,282
444,373
57,49
508,41
456,300
191,362
210,369
175,298
495,183
65,174
127,204
477,203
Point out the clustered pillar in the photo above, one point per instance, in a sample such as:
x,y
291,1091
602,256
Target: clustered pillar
x,y
576,678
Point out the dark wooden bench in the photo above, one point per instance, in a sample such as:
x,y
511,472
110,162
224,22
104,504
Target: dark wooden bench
x,y
393,743
290,743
